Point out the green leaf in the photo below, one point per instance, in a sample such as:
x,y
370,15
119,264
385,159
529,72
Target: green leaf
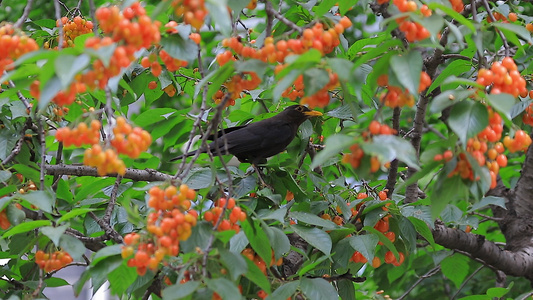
x,y
448,98
467,119
312,219
323,7
180,290
200,178
489,200
154,115
311,265
4,175
67,66
252,65
219,10
27,171
452,13
256,276
318,289
121,279
284,83
390,147
49,91
475,297
497,292
518,29
333,146
346,290
74,213
26,226
234,262
180,48
54,233
15,215
455,268
366,244
55,282
423,229
106,252
278,214
383,239
41,199
502,103
315,237
407,69
279,241
258,239
284,291
442,194
73,246
314,80
342,67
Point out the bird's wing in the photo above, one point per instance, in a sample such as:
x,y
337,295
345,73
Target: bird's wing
x,y
219,133
261,140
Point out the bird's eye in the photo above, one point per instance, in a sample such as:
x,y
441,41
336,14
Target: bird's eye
x,y
299,108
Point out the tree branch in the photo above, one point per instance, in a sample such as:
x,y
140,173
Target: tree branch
x,y
80,170
519,263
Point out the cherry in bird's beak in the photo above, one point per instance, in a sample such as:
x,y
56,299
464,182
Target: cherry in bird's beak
x,y
313,113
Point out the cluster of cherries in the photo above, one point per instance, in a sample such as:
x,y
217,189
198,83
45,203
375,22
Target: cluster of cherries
x,y
193,12
316,37
503,77
259,262
382,226
356,152
236,85
128,140
320,98
413,31
492,157
527,118
105,161
72,29
229,221
64,97
395,96
13,44
131,29
80,135
52,261
168,224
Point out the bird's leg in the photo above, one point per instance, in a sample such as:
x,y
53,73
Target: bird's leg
x,y
260,175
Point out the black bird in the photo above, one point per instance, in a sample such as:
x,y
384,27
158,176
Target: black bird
x,y
255,142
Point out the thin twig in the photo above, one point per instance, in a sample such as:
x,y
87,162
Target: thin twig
x,y
463,284
279,16
42,142
21,97
92,10
502,36
109,231
25,14
427,275
486,217
60,27
112,201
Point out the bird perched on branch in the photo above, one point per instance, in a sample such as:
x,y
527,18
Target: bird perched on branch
x,y
255,142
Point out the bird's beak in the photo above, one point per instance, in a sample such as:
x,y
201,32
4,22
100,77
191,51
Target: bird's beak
x,y
313,113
